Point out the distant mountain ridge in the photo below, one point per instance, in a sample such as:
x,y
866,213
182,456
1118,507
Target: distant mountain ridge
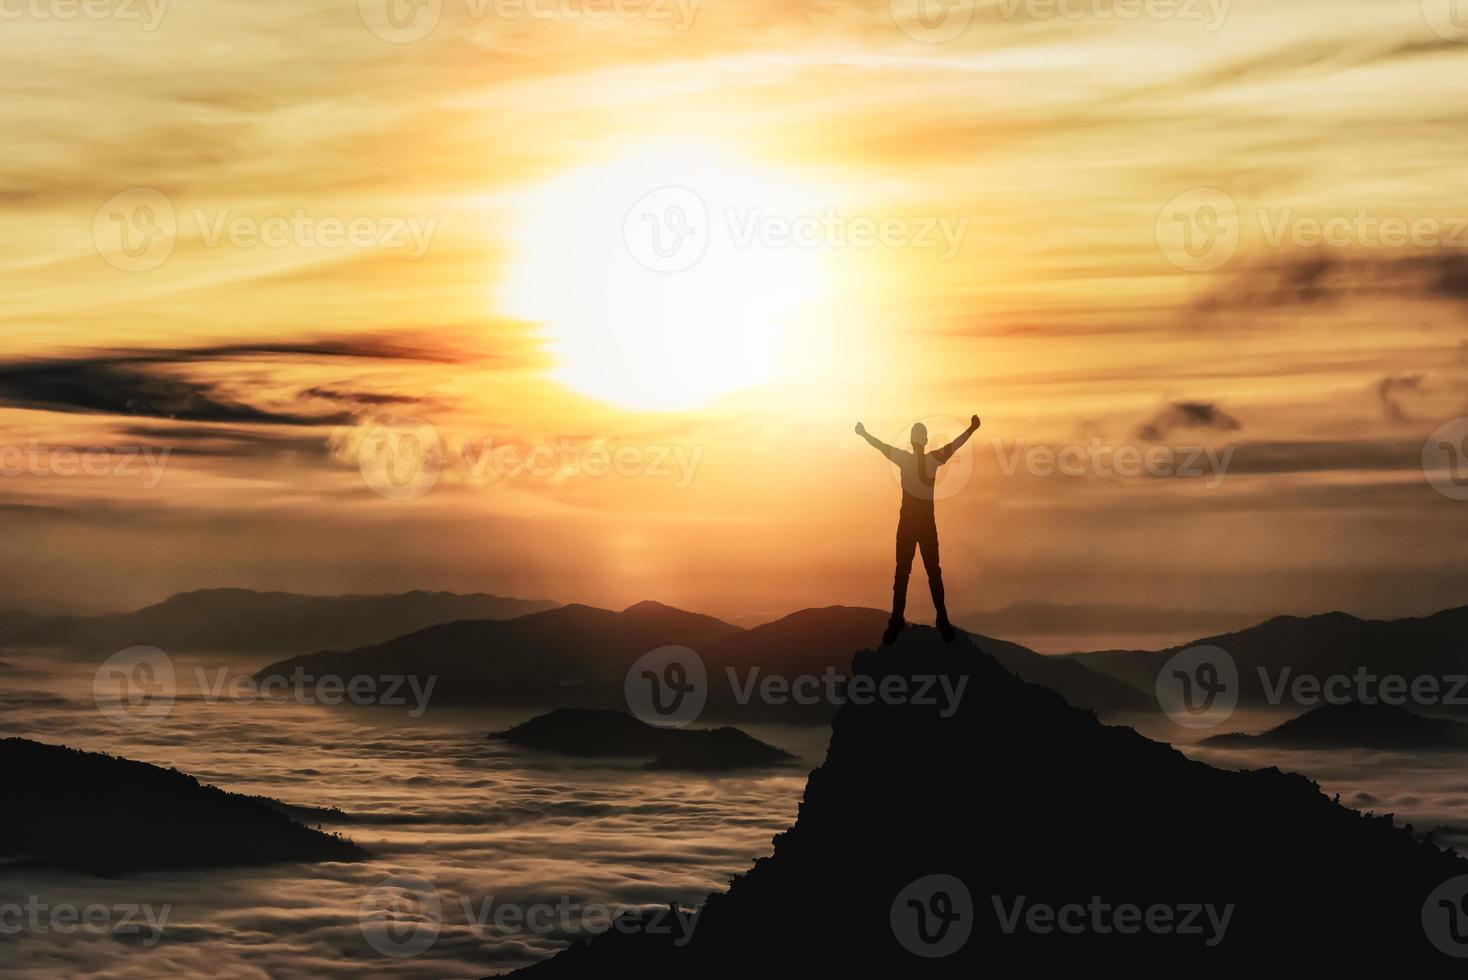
x,y
1325,645
577,656
1356,726
245,620
1042,618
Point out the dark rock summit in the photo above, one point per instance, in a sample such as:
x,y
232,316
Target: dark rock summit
x,y
1019,803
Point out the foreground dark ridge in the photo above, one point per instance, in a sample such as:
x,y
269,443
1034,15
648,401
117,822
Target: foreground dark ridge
x,y
85,811
1023,797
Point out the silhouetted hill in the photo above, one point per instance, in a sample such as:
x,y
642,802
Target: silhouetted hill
x,y
84,811
1356,726
1325,645
573,655
1057,619
613,734
1028,801
577,656
278,622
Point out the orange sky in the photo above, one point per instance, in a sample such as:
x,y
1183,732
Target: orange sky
x,y
333,222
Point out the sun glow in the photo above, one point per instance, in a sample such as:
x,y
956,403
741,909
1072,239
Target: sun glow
x,y
661,279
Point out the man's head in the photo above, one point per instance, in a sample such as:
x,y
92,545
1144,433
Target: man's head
x,y
919,435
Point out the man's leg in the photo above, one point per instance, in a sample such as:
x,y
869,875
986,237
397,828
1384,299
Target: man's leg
x,y
906,544
929,543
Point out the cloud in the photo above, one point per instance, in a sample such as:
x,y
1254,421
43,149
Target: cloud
x,y
1327,456
1388,390
1187,415
359,397
1320,278
142,383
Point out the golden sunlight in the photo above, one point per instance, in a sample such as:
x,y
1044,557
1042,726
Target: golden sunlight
x,y
667,278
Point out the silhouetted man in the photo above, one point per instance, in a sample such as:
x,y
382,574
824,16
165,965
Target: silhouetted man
x,y
916,525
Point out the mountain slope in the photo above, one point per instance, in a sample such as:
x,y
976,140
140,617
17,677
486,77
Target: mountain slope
x,y
245,620
98,813
1329,644
577,656
1024,799
526,660
1356,726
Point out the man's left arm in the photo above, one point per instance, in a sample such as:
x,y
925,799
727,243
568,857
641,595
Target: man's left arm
x,y
947,451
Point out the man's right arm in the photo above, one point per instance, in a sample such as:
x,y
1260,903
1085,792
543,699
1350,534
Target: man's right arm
x,y
876,443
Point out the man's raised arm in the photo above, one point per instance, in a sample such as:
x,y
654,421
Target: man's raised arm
x,y
876,443
957,444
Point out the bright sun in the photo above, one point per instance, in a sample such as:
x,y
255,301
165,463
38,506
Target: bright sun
x,y
662,279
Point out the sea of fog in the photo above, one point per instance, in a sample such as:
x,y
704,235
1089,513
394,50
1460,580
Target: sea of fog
x,y
523,851
475,827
